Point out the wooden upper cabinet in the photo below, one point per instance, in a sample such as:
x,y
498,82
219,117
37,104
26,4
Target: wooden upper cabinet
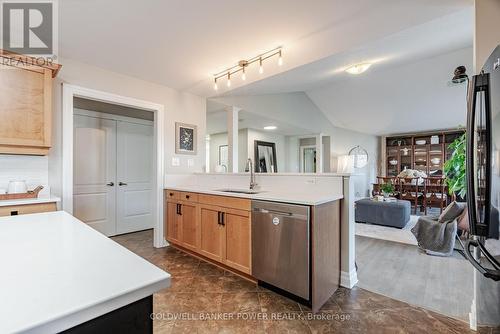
x,y
25,105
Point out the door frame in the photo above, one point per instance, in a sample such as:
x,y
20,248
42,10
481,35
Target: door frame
x,y
72,91
301,158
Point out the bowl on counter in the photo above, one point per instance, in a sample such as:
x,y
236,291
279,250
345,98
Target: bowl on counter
x,y
393,162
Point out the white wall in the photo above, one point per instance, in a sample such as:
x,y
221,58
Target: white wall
x,y
246,139
179,106
32,169
292,154
279,140
216,140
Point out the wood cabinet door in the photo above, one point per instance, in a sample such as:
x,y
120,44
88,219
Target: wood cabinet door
x,y
237,228
211,240
173,224
189,227
25,110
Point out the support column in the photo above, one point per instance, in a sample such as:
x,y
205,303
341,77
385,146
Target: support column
x,y
319,153
348,274
232,138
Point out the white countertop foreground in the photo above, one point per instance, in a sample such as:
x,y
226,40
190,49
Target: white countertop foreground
x,y
295,197
26,201
57,272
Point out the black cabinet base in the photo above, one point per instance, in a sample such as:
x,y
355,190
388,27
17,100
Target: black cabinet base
x,y
131,319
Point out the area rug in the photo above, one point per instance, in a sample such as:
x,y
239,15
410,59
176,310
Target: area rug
x,y
403,235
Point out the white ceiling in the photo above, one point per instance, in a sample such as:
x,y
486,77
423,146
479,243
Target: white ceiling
x,y
181,43
406,89
409,98
436,37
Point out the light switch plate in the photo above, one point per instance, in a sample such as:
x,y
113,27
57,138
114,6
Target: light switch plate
x,y
190,162
176,162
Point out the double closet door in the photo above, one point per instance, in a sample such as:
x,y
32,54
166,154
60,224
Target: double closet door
x,y
113,173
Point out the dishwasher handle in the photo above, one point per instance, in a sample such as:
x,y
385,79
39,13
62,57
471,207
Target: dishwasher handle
x,y
280,213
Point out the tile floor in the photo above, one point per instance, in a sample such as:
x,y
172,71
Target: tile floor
x,y
200,289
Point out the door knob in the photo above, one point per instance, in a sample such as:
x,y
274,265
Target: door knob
x,y
122,184
110,184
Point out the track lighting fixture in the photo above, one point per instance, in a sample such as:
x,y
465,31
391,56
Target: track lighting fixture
x,y
243,66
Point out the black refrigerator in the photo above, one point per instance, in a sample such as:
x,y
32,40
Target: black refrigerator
x,y
483,187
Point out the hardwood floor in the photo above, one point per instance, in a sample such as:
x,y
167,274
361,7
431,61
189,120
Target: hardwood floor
x,y
402,272
200,289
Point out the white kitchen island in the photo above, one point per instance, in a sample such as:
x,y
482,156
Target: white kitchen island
x,y
59,274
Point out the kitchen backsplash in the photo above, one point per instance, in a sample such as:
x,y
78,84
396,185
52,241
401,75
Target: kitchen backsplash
x,y
33,169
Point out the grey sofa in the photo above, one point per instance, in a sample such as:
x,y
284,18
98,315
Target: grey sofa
x,y
393,214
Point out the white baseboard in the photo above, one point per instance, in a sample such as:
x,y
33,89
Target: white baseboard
x,y
348,280
472,316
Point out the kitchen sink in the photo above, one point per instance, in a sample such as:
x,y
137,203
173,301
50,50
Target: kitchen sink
x,y
239,191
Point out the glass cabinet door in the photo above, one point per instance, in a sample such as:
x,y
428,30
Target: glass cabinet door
x,y
436,160
421,158
392,161
405,157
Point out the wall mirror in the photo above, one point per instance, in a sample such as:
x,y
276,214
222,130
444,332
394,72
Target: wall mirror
x,y
265,157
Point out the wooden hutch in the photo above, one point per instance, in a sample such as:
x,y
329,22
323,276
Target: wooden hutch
x,y
425,151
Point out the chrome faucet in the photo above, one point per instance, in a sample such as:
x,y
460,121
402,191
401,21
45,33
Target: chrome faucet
x,y
249,167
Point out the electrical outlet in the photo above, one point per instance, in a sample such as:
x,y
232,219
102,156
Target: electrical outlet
x,y
176,162
190,162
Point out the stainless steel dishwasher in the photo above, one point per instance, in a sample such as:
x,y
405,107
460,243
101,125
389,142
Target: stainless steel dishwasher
x,y
280,246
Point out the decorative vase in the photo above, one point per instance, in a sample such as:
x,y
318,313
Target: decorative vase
x,y
386,195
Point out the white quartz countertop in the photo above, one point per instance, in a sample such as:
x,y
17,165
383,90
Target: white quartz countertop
x,y
26,201
57,272
293,197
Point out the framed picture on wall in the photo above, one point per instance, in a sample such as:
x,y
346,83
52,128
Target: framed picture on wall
x,y
185,138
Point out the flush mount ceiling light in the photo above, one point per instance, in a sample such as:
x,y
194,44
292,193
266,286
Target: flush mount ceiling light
x,y
270,127
243,65
358,68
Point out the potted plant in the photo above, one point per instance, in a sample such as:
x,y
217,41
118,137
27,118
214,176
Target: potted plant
x,y
454,168
387,189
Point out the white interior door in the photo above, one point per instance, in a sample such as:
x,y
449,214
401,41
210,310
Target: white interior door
x,y
135,177
94,174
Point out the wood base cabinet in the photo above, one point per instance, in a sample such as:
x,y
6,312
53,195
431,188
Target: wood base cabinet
x,y
216,227
237,227
173,222
211,233
25,209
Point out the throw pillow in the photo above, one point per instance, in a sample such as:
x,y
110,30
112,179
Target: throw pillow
x,y
451,212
